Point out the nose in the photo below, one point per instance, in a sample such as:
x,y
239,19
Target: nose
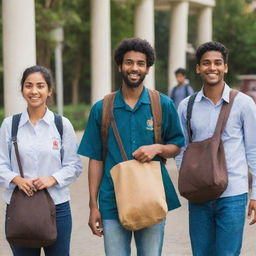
x,y
135,66
212,66
34,89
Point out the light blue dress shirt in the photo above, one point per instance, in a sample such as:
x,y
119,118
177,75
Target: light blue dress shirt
x,y
239,136
39,148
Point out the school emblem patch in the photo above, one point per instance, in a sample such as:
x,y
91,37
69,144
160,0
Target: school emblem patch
x,y
150,124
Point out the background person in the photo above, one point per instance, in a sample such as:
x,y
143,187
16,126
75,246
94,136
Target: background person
x,y
182,89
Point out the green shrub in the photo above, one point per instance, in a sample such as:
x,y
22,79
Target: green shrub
x,y
77,115
1,115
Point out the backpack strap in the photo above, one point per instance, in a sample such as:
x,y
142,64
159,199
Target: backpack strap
x,y
157,114
189,114
15,125
59,124
186,88
107,115
107,108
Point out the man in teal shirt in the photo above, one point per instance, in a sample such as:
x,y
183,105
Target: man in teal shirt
x,y
133,116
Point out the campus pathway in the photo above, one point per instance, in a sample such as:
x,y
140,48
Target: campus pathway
x,y
83,243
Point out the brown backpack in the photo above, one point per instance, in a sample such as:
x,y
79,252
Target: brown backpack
x,y
108,105
203,172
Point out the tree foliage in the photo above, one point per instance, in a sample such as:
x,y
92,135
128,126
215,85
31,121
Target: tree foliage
x,y
235,27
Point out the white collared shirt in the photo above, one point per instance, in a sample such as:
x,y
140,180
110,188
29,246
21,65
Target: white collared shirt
x,y
39,148
238,137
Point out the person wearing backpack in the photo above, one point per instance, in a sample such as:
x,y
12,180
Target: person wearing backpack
x,y
182,89
47,150
134,121
216,225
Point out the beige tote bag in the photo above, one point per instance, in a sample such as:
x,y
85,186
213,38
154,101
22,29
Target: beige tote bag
x,y
140,194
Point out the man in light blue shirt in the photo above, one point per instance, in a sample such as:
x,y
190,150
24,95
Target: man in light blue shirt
x,y
216,226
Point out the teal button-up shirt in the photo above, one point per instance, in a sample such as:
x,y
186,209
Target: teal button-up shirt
x,y
136,129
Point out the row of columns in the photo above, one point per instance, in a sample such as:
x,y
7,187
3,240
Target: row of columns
x,y
144,28
19,45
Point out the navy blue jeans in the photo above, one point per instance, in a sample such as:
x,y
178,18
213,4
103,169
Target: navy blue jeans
x,y
216,227
62,245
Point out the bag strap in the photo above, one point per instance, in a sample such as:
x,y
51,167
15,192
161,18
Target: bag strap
x,y
222,119
108,103
59,124
15,125
224,114
189,114
157,114
108,117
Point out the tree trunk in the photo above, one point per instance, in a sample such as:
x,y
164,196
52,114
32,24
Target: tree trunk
x,y
75,82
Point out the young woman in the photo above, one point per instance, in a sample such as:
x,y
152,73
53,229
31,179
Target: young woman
x,y
47,161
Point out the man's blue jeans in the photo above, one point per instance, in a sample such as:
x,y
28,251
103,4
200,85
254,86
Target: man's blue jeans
x,y
216,227
117,239
62,244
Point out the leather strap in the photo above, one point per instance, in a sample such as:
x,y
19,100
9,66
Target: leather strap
x,y
108,117
222,119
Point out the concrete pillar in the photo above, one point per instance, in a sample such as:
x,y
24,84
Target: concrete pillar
x,y
178,39
58,38
204,25
145,29
19,49
100,49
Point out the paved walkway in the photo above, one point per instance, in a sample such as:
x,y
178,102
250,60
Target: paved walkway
x,y
83,243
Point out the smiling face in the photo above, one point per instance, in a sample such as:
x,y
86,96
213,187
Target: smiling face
x,y
134,68
35,91
212,68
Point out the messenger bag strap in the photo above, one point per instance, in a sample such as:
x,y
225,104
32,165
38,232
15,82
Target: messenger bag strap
x,y
116,133
224,114
15,125
189,114
105,121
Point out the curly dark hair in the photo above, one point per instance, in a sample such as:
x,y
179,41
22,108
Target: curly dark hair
x,y
134,44
212,46
46,73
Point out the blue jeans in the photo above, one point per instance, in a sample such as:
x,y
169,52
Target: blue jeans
x,y
62,244
216,227
117,239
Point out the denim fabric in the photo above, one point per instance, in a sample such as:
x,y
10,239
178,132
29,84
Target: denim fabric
x,y
117,239
62,244
216,227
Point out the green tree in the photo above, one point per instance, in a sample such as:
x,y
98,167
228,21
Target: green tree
x,y
236,28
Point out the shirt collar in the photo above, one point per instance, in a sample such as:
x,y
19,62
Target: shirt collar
x,y
47,118
225,94
120,103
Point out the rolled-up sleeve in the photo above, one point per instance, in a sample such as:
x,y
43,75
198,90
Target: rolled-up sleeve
x,y
71,162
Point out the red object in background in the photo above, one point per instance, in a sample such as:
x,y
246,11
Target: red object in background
x,y
248,85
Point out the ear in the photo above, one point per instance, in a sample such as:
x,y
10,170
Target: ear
x,y
50,92
120,68
197,69
226,69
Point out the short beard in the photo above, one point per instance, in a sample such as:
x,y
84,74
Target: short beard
x,y
131,84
